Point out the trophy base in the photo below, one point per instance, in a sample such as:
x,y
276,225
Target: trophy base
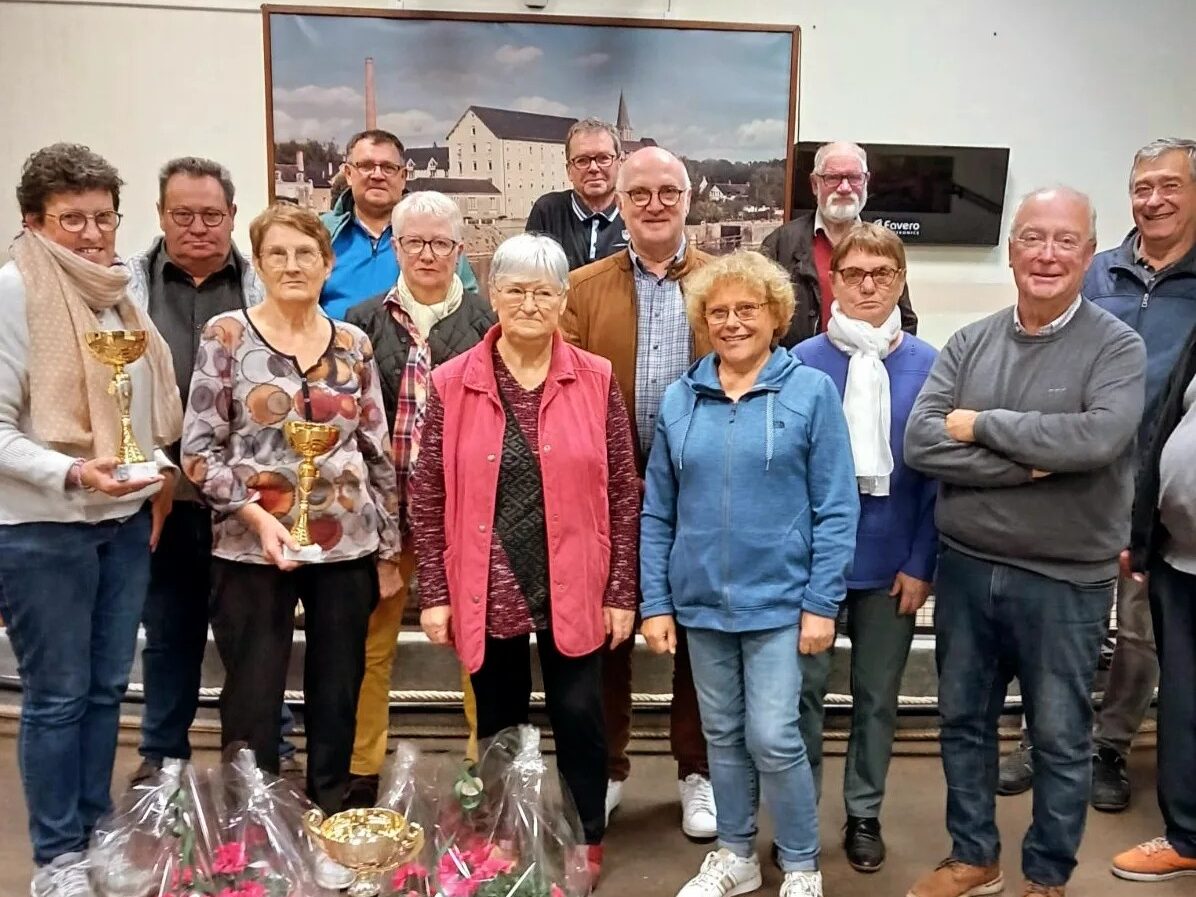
x,y
141,470
305,555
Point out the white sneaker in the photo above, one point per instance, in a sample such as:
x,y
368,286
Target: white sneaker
x,y
332,875
614,797
698,815
802,884
66,876
723,874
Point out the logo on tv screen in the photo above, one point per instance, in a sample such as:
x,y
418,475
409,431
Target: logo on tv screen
x,y
901,228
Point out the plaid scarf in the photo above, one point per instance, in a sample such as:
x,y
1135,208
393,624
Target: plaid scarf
x,y
411,396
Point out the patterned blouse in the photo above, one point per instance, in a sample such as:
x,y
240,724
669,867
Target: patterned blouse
x,y
234,449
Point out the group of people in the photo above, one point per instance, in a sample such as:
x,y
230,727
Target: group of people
x,y
729,452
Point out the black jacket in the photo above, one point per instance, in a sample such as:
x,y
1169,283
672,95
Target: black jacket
x,y
1147,533
792,245
553,214
449,337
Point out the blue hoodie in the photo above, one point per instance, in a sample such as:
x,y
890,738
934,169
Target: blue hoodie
x,y
750,507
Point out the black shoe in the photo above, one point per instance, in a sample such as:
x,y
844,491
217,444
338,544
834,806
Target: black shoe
x,y
863,844
150,767
1016,771
1110,784
362,793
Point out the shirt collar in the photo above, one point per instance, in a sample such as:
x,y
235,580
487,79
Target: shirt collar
x,y
639,266
820,223
583,213
163,263
1055,326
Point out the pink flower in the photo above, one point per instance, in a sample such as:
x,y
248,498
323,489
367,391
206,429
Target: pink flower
x,y
230,859
227,892
556,891
252,889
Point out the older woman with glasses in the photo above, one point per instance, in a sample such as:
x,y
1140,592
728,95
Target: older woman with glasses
x,y
878,371
423,321
526,511
748,526
75,530
256,372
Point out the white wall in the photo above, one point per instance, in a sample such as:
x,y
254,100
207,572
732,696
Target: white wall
x,y
1071,86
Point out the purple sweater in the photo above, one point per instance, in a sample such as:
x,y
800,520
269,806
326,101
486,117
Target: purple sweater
x,y
896,532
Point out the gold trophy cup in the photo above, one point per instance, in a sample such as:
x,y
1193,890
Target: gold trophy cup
x,y
310,440
116,348
370,842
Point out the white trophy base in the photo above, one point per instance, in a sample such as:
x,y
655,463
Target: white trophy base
x,y
143,470
304,555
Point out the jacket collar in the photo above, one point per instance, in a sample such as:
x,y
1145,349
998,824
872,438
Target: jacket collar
x,y
479,373
1125,258
678,269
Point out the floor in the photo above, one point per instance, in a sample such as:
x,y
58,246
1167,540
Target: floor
x,y
647,856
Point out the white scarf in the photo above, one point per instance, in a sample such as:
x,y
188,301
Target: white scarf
x,y
424,317
866,400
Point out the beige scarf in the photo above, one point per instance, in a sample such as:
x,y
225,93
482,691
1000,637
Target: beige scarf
x,y
69,404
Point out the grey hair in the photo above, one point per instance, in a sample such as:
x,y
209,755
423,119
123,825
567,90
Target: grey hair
x,y
621,177
428,202
196,167
825,150
1063,190
589,126
64,168
531,256
1164,145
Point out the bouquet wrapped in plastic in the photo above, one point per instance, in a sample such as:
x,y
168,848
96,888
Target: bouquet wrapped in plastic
x,y
161,839
511,831
405,788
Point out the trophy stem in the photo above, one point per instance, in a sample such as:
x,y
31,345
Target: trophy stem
x,y
368,884
121,388
307,479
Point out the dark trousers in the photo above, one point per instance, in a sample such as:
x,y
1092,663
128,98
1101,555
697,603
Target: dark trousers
x,y
685,723
1173,607
573,694
993,622
253,619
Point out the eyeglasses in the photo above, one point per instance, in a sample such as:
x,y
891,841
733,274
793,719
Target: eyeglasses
x,y
366,167
277,259
75,222
440,246
882,277
1035,243
602,160
641,196
744,311
186,217
542,296
855,180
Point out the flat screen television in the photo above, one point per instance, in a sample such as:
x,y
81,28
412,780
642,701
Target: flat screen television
x,y
928,195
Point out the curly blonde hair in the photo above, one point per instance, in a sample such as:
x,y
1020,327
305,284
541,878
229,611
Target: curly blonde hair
x,y
751,270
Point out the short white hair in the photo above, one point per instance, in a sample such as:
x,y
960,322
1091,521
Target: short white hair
x,y
531,257
837,145
1061,190
428,202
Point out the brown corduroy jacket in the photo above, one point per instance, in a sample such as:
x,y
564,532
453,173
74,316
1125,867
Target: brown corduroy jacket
x,y
600,317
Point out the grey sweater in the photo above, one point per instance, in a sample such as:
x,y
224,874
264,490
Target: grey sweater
x,y
1068,403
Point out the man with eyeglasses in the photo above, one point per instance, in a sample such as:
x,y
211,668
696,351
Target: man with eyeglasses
x,y
629,308
803,247
585,220
359,224
1028,421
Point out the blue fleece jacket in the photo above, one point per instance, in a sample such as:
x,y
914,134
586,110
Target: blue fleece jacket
x,y
750,506
896,532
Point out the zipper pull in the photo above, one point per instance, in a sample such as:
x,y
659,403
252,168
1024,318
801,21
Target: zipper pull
x,y
1145,299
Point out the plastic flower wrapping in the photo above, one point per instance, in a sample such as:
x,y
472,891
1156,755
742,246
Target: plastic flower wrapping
x,y
510,830
408,787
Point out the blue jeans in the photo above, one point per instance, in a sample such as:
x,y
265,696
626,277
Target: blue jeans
x,y
993,622
72,595
748,684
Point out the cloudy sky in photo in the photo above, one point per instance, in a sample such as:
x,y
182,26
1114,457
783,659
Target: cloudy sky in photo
x,y
719,94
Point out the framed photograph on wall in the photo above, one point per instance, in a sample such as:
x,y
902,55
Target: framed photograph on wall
x,y
482,104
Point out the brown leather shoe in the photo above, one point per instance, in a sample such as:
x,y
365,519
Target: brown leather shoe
x,y
1034,889
951,878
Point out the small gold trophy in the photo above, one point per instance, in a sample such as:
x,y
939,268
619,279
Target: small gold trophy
x,y
310,440
370,842
116,348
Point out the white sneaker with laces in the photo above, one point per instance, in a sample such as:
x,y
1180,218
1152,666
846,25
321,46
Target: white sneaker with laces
x,y
65,876
724,874
802,884
698,814
332,875
614,797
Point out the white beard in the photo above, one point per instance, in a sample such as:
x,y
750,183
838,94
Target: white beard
x,y
840,212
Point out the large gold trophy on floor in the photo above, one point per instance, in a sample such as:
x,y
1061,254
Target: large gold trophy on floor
x,y
310,440
116,348
370,842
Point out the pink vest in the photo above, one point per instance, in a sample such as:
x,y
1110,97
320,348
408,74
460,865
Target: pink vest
x,y
573,466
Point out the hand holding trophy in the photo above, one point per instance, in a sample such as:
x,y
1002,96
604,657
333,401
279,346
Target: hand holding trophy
x,y
116,348
310,440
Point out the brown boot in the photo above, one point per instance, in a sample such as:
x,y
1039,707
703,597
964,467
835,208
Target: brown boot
x,y
955,879
1034,889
